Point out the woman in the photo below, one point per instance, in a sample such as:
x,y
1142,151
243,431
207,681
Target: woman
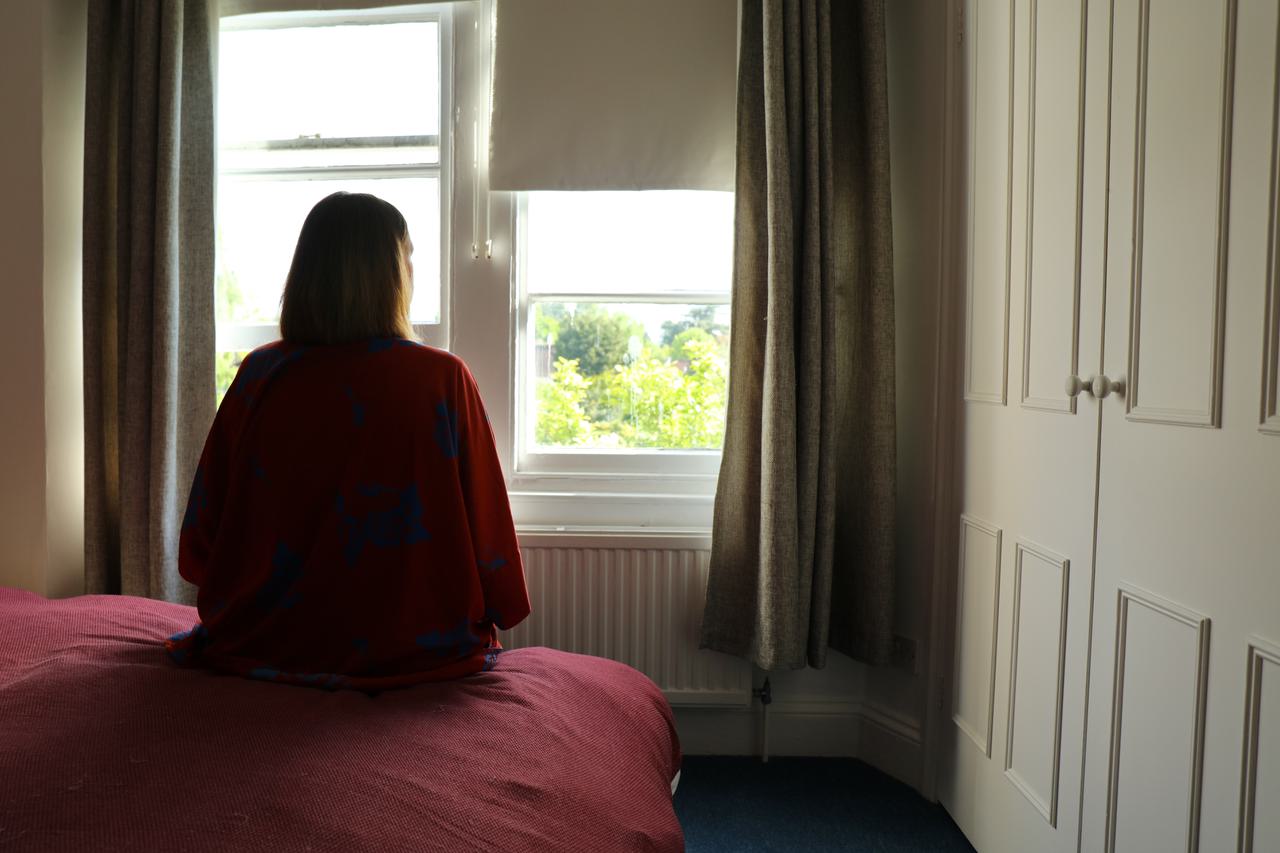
x,y
348,525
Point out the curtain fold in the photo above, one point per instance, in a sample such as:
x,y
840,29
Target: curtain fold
x,y
802,552
148,285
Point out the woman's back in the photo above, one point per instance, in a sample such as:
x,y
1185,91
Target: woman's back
x,y
349,524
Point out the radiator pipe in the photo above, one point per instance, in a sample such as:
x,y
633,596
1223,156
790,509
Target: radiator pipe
x,y
765,693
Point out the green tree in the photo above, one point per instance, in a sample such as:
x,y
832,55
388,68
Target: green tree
x,y
228,298
661,405
225,366
699,317
547,319
598,339
228,307
696,333
561,419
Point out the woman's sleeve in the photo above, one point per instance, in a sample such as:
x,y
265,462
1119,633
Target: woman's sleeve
x,y
204,504
210,483
493,534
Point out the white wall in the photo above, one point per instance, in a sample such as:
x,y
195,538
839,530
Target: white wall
x,y
41,419
918,37
64,85
22,442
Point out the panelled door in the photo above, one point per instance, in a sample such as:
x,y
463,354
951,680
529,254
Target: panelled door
x,y
1184,720
1035,116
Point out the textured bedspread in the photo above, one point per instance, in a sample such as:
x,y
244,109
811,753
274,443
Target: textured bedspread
x,y
105,745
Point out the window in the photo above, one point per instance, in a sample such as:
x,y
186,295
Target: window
x,y
624,334
596,323
295,124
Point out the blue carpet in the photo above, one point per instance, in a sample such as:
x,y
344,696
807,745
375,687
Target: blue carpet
x,y
740,805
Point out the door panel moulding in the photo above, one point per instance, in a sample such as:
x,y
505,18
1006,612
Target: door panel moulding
x,y
1127,597
1270,419
1056,401
978,732
1047,805
1263,656
1210,415
998,394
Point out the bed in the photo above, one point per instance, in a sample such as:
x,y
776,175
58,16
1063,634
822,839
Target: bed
x,y
106,745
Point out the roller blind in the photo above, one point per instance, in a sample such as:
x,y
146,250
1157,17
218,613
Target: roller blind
x,y
613,94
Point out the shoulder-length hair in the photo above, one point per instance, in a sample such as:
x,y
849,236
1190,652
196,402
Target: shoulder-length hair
x,y
350,278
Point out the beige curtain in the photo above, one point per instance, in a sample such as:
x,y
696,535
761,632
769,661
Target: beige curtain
x,y
148,285
802,549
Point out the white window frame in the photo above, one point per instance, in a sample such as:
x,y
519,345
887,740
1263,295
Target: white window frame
x,y
618,489
691,467
237,337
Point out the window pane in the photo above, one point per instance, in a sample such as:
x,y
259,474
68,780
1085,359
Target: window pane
x,y
258,226
610,375
629,242
335,81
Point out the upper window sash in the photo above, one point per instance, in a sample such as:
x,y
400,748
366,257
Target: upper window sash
x,y
235,337
368,148
246,18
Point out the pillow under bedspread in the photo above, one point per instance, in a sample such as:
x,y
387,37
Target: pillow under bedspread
x,y
107,745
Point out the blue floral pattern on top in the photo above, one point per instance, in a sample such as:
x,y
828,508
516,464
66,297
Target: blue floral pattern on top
x,y
447,430
458,642
357,408
199,637
389,528
326,680
491,565
286,570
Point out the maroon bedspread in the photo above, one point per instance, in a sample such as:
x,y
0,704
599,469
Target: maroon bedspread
x,y
105,745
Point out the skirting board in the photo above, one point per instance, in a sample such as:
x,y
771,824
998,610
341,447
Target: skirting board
x,y
884,740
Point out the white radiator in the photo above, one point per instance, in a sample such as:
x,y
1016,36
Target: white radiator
x,y
638,605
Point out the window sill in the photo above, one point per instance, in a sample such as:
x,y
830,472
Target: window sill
x,y
632,512
592,536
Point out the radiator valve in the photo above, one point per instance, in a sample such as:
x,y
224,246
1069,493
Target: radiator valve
x,y
764,692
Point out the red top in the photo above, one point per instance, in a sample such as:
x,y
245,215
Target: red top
x,y
348,525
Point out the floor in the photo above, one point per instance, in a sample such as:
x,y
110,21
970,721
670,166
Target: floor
x,y
805,804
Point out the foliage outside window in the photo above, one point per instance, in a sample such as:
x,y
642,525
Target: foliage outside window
x,y
609,384
627,336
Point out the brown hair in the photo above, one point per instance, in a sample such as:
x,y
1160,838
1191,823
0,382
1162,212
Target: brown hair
x,y
350,277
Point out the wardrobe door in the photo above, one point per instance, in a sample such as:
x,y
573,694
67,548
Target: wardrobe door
x,y
1184,708
1035,143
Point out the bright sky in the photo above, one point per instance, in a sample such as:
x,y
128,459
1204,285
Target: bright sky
x,y
259,223
359,80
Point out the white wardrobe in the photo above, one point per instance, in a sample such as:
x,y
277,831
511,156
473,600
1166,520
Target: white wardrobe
x,y
1116,679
